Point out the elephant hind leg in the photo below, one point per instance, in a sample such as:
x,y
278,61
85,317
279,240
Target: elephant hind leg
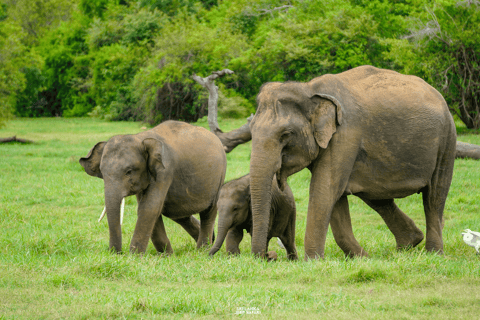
x,y
191,225
288,240
207,223
160,239
341,225
434,197
289,245
407,234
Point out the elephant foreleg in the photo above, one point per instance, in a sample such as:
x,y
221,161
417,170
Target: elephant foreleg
x,y
233,239
191,225
407,234
150,206
341,225
160,239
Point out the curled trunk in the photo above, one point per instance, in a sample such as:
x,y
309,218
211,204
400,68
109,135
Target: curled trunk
x,y
222,234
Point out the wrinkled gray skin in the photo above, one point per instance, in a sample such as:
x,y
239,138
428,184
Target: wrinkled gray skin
x,y
235,215
175,170
369,132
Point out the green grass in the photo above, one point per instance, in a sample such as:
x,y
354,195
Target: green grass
x,y
54,261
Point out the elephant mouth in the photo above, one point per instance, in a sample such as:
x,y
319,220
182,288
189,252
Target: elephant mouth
x,y
281,181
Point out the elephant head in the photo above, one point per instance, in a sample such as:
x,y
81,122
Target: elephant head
x,y
127,164
293,125
233,210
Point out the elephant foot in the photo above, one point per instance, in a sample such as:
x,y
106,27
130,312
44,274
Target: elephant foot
x,y
358,253
436,247
204,244
409,241
115,250
272,256
164,254
292,256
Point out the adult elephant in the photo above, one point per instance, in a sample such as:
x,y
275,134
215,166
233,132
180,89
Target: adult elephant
x,y
373,133
174,169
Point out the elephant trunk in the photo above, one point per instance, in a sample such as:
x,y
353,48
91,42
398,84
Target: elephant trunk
x,y
262,170
113,200
223,227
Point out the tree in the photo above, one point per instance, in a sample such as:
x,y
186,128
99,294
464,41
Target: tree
x,y
12,80
443,48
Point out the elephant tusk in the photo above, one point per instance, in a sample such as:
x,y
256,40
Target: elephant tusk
x,y
103,214
122,210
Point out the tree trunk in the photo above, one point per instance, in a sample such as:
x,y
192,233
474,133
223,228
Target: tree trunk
x,y
235,137
229,139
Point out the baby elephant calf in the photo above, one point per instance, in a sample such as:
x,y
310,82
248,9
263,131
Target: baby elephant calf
x,y
235,215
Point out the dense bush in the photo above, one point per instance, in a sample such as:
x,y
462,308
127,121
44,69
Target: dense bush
x,y
443,47
133,59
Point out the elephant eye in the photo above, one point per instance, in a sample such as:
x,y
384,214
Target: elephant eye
x,y
128,172
285,135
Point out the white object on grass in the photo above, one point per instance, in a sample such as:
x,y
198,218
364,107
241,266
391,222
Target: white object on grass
x,y
122,210
472,238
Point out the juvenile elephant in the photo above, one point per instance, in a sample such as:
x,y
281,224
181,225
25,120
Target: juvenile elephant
x,y
175,170
235,215
373,133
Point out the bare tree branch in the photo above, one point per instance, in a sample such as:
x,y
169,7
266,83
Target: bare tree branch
x,y
468,3
209,84
229,139
282,8
261,12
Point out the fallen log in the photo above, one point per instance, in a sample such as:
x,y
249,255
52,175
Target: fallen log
x,y
15,139
467,150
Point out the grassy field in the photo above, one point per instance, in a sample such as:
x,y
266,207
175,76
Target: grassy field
x,y
54,261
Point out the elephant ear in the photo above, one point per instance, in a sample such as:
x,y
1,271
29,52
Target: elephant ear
x,y
326,116
91,163
154,151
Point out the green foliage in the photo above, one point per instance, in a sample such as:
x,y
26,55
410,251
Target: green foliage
x,y
28,103
141,28
14,60
233,105
3,11
444,49
95,8
65,69
170,7
134,59
37,17
164,88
